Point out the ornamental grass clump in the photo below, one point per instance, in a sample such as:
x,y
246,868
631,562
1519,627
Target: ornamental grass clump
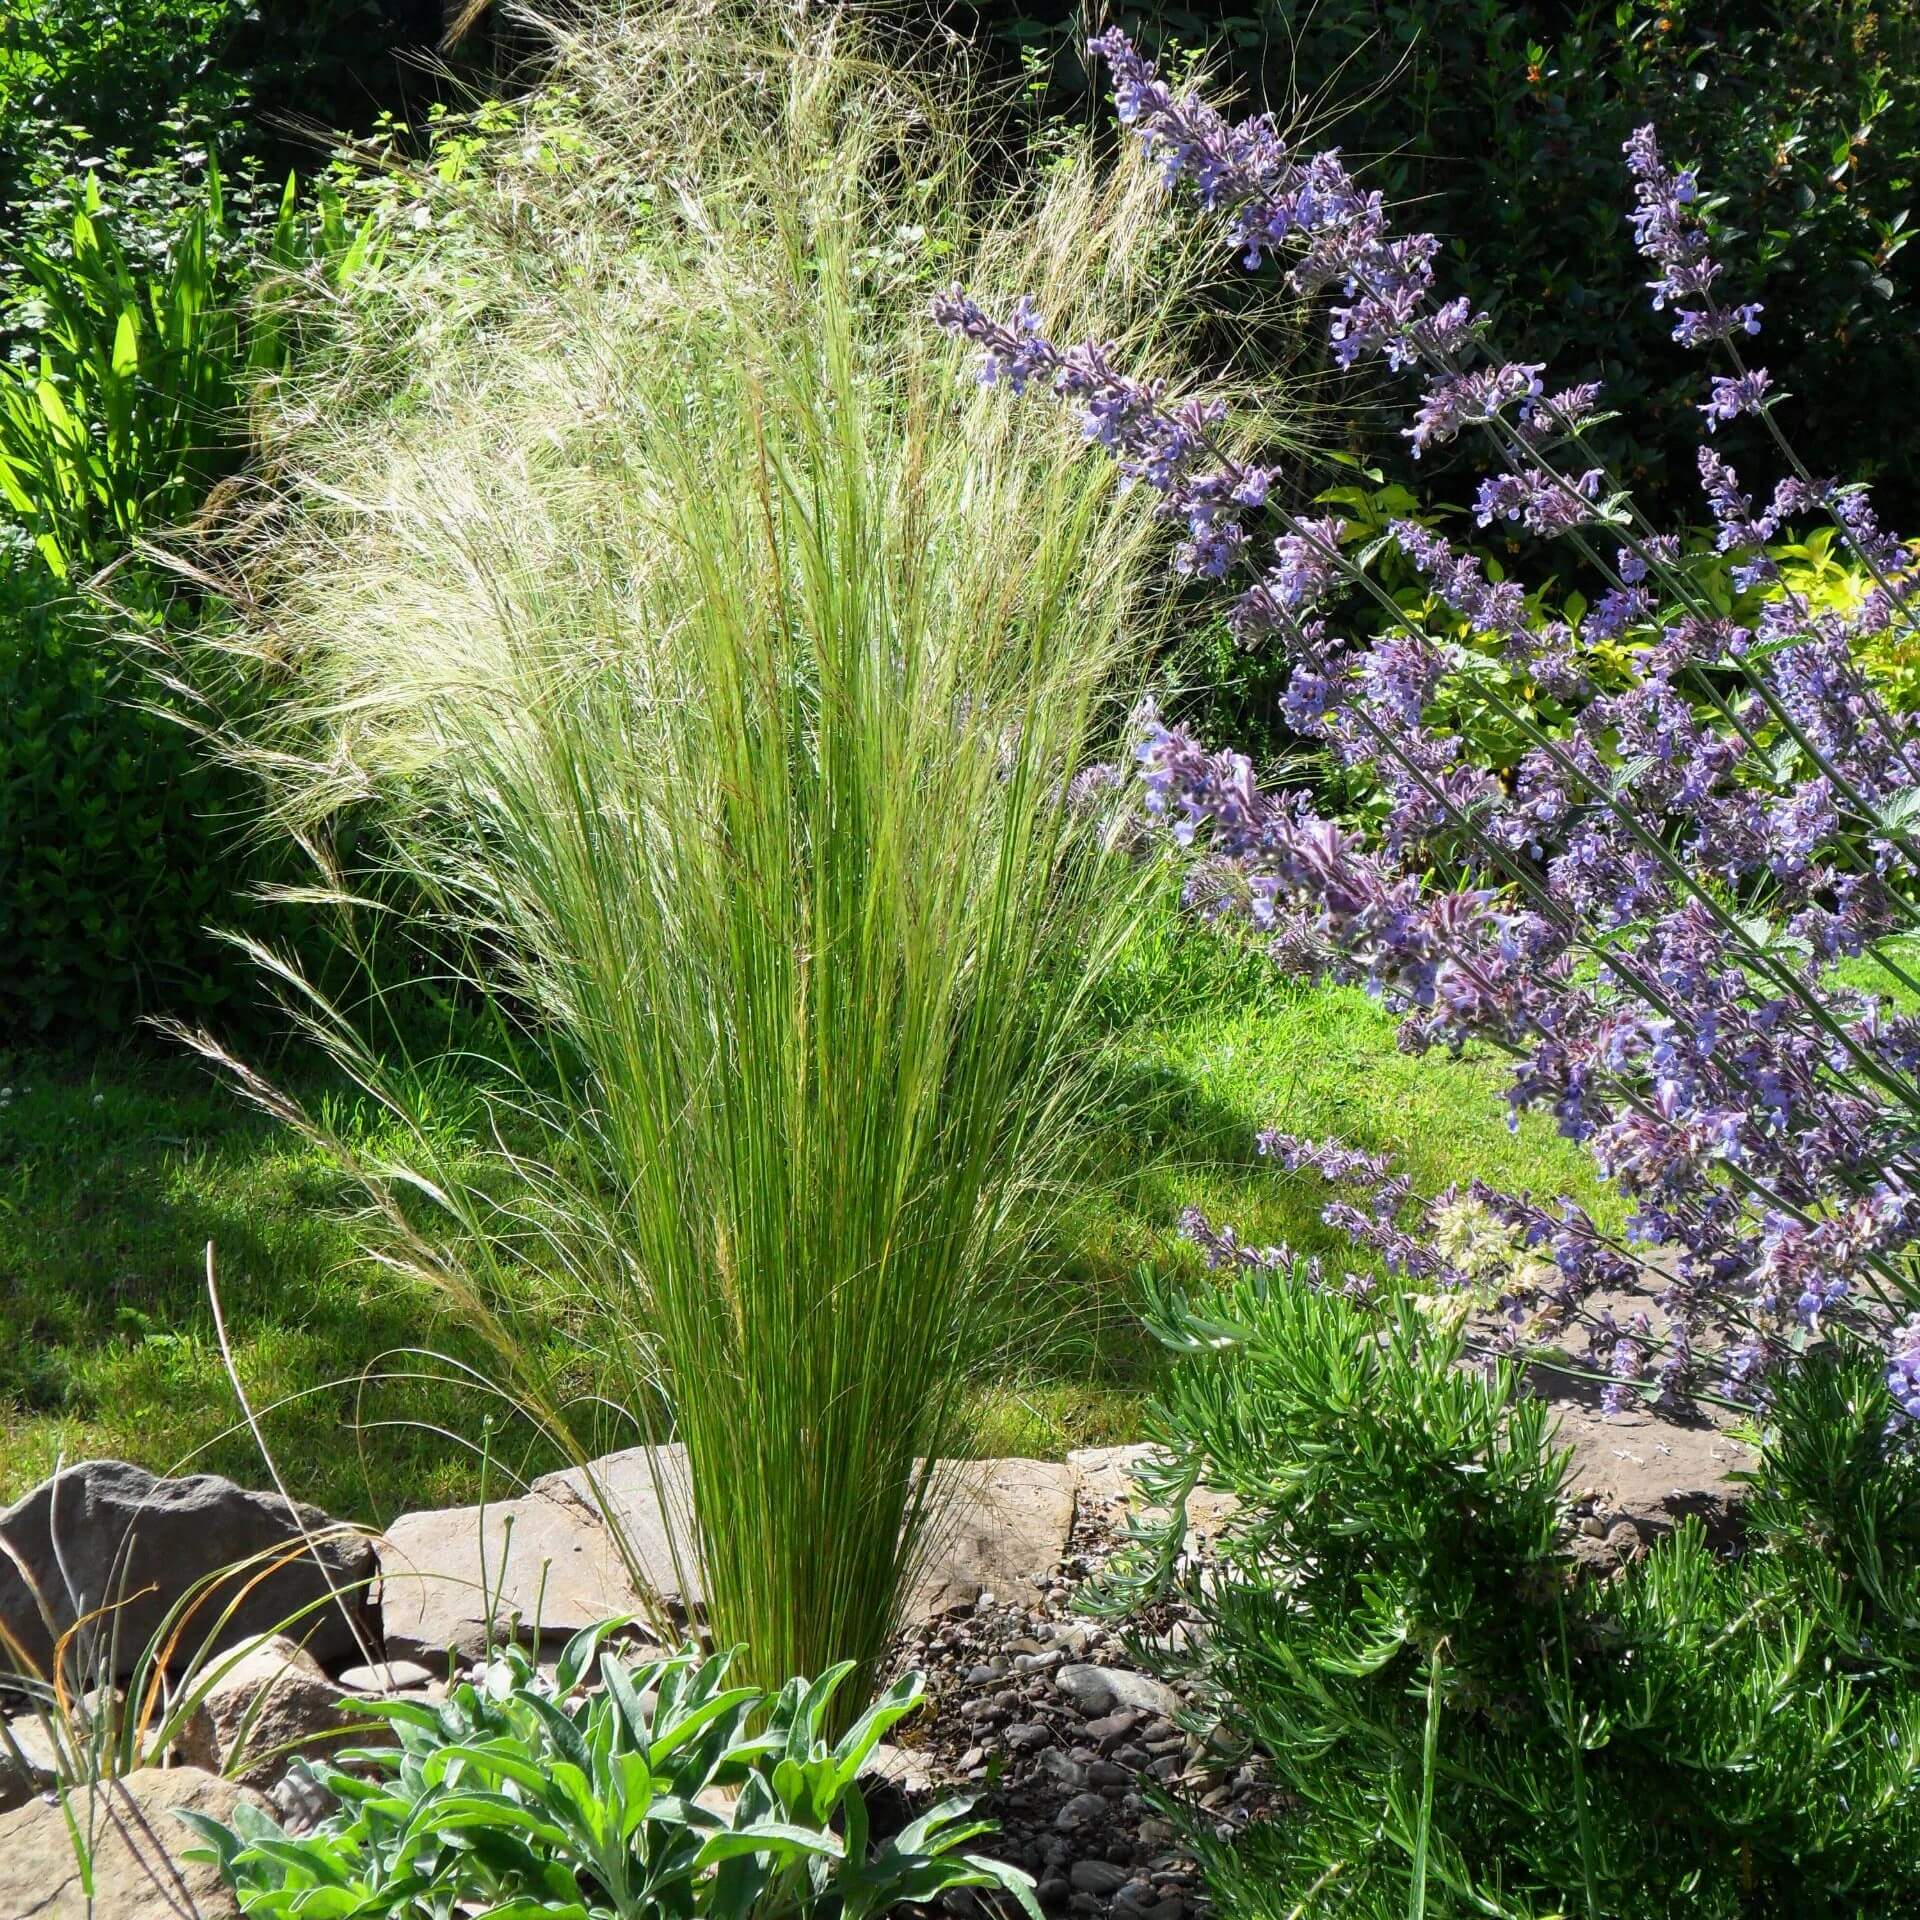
x,y
1682,915
660,604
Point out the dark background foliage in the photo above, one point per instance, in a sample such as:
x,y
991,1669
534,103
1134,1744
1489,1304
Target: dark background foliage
x,y
1498,124
120,845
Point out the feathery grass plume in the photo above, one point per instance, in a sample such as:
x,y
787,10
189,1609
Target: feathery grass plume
x,y
652,585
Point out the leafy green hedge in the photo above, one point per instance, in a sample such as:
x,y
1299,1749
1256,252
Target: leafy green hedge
x,y
117,841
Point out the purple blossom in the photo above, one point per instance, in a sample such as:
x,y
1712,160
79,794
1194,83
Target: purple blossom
x,y
1544,503
1735,394
1903,1369
1645,910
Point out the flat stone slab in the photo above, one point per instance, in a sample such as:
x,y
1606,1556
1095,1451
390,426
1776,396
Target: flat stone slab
x,y
552,1557
1003,1525
1104,1481
533,1568
646,1494
136,1843
1006,1523
1641,1469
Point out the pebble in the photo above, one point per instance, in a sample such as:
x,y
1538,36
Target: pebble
x,y
301,1802
1086,1689
1082,1808
387,1676
1052,1722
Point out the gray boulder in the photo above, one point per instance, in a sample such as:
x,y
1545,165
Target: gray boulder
x,y
107,1534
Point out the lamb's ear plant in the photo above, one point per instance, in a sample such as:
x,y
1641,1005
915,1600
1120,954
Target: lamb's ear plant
x,y
613,1790
679,626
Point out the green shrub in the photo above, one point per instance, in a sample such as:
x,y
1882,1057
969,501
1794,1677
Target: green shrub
x,y
128,407
121,843
1468,1726
116,835
661,1793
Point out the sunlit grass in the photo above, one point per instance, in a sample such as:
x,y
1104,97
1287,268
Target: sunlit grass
x,y
115,1173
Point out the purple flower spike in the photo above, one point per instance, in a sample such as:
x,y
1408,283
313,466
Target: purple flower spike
x,y
1644,906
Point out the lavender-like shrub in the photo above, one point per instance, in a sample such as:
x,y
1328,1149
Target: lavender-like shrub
x,y
1652,914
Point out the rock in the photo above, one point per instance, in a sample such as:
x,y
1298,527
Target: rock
x,y
1096,1876
137,1870
107,1531
274,1701
999,1526
300,1802
1064,1771
645,1494
1104,1478
26,1761
1078,1811
1052,1891
385,1678
1641,1470
1085,1689
1097,1691
903,1767
548,1567
30,1763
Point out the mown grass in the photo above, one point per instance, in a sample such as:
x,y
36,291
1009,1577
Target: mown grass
x,y
1208,1046
116,1172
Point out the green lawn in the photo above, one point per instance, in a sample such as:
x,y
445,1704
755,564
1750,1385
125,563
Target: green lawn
x,y
1208,1048
116,1173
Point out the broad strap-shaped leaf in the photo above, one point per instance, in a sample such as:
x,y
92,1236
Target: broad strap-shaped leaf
x,y
769,1836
